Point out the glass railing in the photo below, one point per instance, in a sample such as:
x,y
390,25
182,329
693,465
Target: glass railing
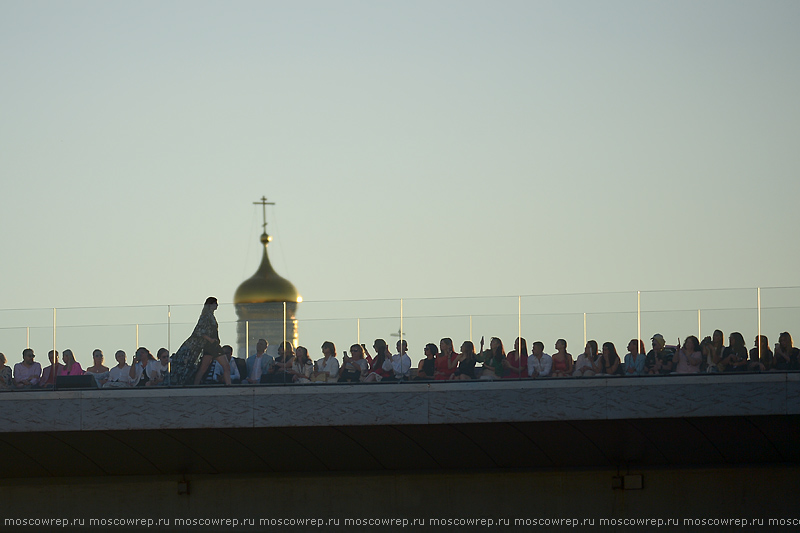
x,y
617,317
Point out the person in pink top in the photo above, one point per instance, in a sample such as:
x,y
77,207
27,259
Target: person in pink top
x,y
28,372
48,375
516,363
71,367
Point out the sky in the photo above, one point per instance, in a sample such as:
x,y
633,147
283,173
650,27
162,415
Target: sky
x,y
413,149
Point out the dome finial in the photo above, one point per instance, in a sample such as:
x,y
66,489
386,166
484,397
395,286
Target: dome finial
x,y
265,285
264,203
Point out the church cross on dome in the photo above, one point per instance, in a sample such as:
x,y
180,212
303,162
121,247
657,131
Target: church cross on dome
x,y
264,203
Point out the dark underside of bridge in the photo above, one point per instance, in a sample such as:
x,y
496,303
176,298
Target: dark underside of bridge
x,y
545,445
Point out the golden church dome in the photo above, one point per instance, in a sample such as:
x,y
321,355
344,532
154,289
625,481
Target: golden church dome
x,y
266,285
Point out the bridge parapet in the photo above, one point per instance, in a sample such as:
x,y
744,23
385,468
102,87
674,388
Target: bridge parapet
x,y
612,398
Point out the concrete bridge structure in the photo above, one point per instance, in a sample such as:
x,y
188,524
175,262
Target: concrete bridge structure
x,y
672,447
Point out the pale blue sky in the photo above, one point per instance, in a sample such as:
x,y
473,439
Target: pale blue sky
x,y
413,148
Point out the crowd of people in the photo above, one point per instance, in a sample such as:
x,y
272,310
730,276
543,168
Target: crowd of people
x,y
202,359
439,363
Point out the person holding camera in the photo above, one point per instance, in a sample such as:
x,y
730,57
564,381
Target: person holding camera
x,y
354,367
145,370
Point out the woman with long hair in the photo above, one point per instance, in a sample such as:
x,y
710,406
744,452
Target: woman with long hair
x,y
516,365
466,362
586,365
493,359
717,348
787,357
5,374
609,362
734,357
562,360
446,361
761,362
376,370
426,368
145,369
689,356
203,342
70,367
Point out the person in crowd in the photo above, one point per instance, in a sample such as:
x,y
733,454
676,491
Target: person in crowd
x,y
734,357
354,367
6,379
708,363
760,362
47,381
145,369
426,369
120,375
586,365
562,360
71,367
303,366
259,363
754,363
162,356
98,369
28,372
634,359
327,368
659,359
376,370
516,364
217,375
718,345
203,342
539,363
492,359
208,378
609,363
446,361
466,363
399,366
279,371
689,357
787,357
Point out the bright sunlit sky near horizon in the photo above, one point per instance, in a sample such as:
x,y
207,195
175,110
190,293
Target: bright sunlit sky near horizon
x,y
447,148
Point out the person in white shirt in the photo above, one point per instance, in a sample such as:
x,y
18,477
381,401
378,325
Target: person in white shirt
x,y
162,356
399,365
146,370
259,363
119,376
327,368
539,363
218,371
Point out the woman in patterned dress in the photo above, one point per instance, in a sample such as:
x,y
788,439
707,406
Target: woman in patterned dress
x,y
5,374
204,338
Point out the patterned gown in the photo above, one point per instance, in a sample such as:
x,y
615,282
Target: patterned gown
x,y
184,362
5,373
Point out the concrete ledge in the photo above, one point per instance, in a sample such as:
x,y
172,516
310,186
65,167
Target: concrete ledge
x,y
599,398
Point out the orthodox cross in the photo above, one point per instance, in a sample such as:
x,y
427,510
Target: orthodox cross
x,y
264,203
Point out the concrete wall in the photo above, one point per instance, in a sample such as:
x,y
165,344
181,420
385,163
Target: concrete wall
x,y
705,395
749,492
